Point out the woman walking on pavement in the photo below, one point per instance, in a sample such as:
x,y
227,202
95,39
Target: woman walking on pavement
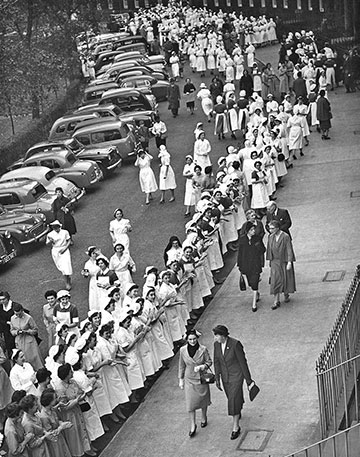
x,y
167,177
146,175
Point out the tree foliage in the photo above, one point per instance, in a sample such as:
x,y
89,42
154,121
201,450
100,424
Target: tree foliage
x,y
38,54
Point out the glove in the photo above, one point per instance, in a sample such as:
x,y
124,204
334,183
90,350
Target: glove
x,y
218,384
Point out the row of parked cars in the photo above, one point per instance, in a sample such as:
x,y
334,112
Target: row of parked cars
x,y
85,145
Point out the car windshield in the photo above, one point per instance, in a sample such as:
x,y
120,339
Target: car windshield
x,y
71,158
38,191
74,145
117,110
50,175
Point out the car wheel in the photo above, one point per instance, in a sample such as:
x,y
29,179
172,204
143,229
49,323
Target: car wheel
x,y
103,169
18,247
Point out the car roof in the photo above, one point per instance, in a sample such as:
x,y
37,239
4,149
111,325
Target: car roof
x,y
108,54
121,91
26,184
62,152
71,116
99,127
123,63
101,87
18,172
87,108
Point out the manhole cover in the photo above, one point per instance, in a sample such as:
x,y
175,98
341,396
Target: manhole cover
x,y
254,440
355,194
334,276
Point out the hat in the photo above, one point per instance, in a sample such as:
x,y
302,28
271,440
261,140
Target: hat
x,y
219,99
56,222
270,204
149,270
81,342
221,330
242,93
205,194
129,287
83,324
53,351
15,352
71,356
90,250
221,160
230,149
202,86
189,157
63,293
92,312
270,95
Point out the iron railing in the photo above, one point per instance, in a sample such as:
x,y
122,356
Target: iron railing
x,y
342,444
335,362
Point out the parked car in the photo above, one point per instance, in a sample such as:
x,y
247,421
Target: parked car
x,y
142,70
116,133
94,93
83,173
64,126
158,88
128,100
107,157
156,62
104,61
28,195
104,111
25,228
47,178
111,73
7,248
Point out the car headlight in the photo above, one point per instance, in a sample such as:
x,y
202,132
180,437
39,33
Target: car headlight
x,y
7,234
25,228
38,210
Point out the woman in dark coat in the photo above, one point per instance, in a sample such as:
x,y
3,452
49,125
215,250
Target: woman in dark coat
x,y
173,96
250,259
62,212
246,83
323,114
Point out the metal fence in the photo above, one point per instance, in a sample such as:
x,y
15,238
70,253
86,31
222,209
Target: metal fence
x,y
342,444
337,365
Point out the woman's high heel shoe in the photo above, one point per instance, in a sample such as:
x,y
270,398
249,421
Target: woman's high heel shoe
x,y
203,424
192,432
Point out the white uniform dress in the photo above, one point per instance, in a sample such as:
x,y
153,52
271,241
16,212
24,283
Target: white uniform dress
x,y
92,417
206,101
21,378
167,176
62,261
93,270
120,230
146,175
202,150
188,172
135,369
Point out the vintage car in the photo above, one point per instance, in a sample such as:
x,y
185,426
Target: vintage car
x,y
47,178
107,157
104,111
7,248
142,70
110,132
156,62
64,126
129,100
94,93
83,173
25,228
27,195
158,88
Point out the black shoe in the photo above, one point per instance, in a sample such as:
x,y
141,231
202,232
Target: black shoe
x,y
295,158
275,305
254,309
192,432
223,136
302,154
203,424
236,434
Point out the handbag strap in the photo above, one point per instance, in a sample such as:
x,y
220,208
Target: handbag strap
x,y
208,367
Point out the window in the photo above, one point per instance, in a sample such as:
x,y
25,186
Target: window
x,y
72,125
263,3
228,3
136,4
239,3
71,158
61,128
9,199
126,5
274,3
147,4
98,5
321,6
50,163
298,4
251,3
205,3
310,5
286,4
216,3
84,139
110,4
38,191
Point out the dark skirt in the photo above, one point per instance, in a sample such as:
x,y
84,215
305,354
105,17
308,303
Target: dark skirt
x,y
235,396
197,396
325,125
253,280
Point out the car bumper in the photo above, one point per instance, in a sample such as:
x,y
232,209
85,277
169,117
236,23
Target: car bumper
x,y
7,258
36,237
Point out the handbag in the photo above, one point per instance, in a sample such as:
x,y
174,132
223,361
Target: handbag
x,y
164,135
207,377
253,391
281,157
84,406
242,283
